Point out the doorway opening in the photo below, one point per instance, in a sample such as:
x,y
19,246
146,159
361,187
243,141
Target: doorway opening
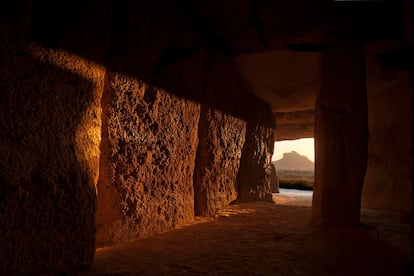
x,y
294,162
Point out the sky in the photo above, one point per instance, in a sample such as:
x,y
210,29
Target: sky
x,y
302,146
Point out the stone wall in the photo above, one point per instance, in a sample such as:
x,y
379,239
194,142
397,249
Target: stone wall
x,y
221,139
50,121
341,134
255,171
149,147
274,179
227,106
146,183
388,180
94,117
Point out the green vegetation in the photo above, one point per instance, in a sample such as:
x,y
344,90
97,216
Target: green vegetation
x,y
301,180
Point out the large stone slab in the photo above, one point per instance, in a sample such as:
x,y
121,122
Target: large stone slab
x,y
149,143
50,122
389,177
221,139
255,166
228,108
274,179
294,125
341,135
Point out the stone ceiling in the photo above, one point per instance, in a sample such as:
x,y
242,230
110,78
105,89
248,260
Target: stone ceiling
x,y
285,79
282,66
284,69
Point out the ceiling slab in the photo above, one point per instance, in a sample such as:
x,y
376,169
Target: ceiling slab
x,y
285,79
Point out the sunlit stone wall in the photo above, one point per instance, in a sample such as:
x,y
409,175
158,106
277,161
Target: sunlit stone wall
x,y
148,152
50,120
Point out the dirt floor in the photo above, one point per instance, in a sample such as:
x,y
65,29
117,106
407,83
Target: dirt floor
x,y
260,238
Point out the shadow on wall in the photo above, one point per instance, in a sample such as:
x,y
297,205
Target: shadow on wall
x,y
47,194
168,49
396,59
51,120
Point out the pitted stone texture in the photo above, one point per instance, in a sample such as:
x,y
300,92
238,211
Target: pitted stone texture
x,y
274,179
50,123
221,139
149,147
254,175
389,177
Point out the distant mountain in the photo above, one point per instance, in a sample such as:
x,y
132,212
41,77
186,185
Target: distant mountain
x,y
294,161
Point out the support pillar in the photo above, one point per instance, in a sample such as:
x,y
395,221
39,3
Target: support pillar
x,y
341,135
254,175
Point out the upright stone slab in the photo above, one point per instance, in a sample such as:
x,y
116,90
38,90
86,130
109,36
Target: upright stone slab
x,y
255,165
149,143
221,139
231,115
389,178
50,122
274,179
341,135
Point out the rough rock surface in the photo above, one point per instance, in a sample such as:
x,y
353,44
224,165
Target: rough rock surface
x,y
341,135
254,175
50,123
50,115
294,125
149,148
274,179
221,139
226,93
389,176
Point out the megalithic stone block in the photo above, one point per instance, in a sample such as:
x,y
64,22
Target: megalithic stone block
x,y
221,139
341,134
255,165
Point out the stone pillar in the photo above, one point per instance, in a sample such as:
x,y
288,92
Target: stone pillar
x,y
255,172
49,157
274,179
389,177
149,144
221,138
341,135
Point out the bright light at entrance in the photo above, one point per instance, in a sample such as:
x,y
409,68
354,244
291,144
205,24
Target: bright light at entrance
x,y
304,146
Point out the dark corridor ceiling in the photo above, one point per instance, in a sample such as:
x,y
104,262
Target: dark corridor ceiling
x,y
285,70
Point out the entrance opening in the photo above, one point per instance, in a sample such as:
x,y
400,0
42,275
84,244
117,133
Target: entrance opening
x,y
295,168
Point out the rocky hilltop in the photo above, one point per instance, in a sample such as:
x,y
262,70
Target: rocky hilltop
x,y
294,161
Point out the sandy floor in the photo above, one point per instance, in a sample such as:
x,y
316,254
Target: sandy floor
x,y
261,238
